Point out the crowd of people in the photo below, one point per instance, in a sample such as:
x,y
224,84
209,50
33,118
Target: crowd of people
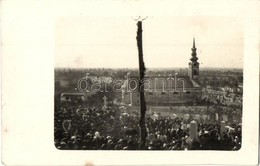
x,y
82,128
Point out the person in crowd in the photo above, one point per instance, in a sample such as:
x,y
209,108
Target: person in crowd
x,y
83,128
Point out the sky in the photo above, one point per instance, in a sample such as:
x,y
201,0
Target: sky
x,y
110,42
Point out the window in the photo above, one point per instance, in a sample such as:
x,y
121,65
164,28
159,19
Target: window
x,y
195,72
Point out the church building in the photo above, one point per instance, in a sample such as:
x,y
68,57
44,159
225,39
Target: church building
x,y
165,90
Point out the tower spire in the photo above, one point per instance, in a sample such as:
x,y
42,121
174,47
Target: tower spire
x,y
194,43
194,57
194,64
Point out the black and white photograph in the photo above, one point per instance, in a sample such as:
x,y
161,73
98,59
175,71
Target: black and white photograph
x,y
129,82
148,83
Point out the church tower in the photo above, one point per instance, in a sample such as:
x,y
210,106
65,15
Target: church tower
x,y
194,65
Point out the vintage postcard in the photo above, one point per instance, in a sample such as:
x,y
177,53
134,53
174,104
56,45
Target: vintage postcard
x,y
145,83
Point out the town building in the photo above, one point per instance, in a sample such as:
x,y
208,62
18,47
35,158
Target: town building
x,y
166,90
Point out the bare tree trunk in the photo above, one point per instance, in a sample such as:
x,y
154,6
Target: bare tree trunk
x,y
141,87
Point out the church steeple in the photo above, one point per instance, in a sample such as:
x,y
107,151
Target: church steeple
x,y
194,65
194,43
194,57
